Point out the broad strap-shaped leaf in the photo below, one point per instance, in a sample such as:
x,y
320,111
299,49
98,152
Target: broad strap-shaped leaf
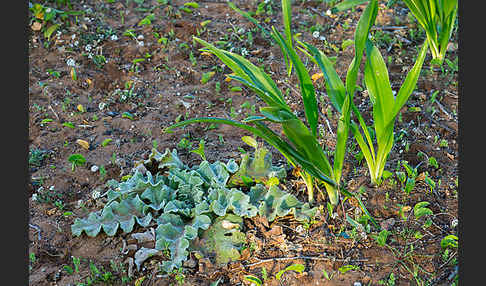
x,y
306,87
334,85
361,33
410,81
342,137
379,89
261,130
250,75
286,17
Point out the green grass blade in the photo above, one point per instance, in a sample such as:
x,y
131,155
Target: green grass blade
x,y
249,17
306,86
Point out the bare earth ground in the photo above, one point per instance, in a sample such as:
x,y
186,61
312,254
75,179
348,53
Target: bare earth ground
x,y
166,87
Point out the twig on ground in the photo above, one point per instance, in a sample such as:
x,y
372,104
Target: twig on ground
x,y
441,107
52,109
301,257
38,230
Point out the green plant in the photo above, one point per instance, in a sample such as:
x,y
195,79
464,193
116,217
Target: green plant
x,y
186,203
385,108
304,150
449,241
253,279
345,268
76,160
294,267
37,156
382,237
437,18
420,209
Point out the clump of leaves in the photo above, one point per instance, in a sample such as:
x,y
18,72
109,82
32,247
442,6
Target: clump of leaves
x,y
258,169
36,157
187,203
437,18
76,160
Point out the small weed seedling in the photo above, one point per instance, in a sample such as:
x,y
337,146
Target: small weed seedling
x,y
76,160
295,267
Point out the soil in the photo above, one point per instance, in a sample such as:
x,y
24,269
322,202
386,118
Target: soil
x,y
166,87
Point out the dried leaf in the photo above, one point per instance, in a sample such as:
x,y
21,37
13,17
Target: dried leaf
x,y
83,143
36,26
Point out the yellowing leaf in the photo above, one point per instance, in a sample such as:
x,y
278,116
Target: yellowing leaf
x,y
228,79
139,281
50,30
73,74
89,81
317,76
40,15
250,141
204,23
80,108
206,54
207,76
228,225
83,144
406,208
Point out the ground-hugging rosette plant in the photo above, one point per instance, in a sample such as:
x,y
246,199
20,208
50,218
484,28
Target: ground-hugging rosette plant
x,y
184,203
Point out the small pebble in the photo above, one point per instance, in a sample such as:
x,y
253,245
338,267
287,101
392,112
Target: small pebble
x,y
357,284
94,168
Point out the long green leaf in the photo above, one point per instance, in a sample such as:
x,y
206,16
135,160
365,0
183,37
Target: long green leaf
x,y
410,81
249,73
346,4
379,88
342,136
334,85
305,82
287,16
361,33
249,17
297,157
260,130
